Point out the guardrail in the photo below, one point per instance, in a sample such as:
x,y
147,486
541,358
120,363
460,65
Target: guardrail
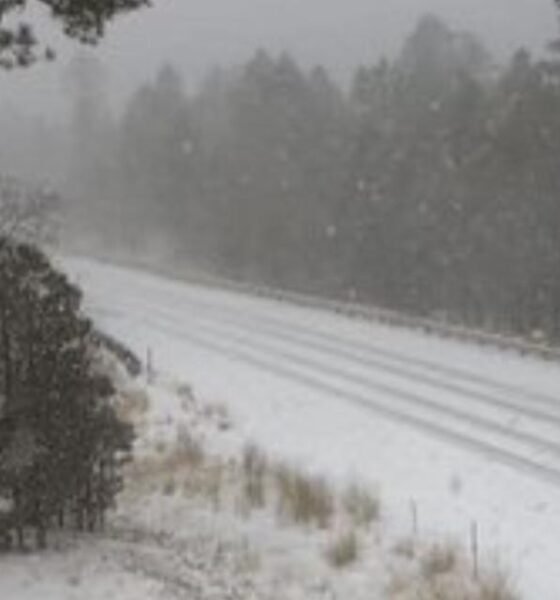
x,y
349,309
395,319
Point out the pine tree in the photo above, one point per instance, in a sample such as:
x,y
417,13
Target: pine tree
x,y
60,440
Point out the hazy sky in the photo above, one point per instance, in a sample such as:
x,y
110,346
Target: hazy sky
x,y
196,34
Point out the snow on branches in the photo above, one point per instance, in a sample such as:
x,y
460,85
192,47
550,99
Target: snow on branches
x,y
27,214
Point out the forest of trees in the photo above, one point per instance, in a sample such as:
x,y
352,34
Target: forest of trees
x,y
430,186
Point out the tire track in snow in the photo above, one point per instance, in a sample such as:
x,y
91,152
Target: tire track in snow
x,y
314,376
482,390
550,414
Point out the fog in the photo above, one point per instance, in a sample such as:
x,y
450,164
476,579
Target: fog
x,y
373,175
425,182
195,35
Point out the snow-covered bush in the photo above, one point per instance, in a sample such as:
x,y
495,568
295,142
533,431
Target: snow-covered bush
x,y
27,214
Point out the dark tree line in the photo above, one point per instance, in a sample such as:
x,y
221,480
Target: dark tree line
x,y
429,187
61,443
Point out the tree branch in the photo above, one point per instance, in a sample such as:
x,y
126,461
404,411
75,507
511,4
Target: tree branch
x,y
83,20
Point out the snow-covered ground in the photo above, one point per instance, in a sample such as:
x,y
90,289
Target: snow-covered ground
x,y
357,400
199,519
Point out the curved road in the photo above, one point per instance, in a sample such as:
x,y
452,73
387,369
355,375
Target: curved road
x,y
487,401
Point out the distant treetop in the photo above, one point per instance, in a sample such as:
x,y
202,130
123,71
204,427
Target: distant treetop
x,y
84,20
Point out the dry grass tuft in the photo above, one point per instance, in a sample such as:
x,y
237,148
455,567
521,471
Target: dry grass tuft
x,y
255,468
440,559
304,499
450,586
218,414
405,548
444,574
167,463
362,507
169,487
161,447
186,396
446,587
188,448
207,482
184,391
343,550
496,586
398,585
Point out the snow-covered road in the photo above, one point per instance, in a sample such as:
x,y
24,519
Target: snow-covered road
x,y
462,433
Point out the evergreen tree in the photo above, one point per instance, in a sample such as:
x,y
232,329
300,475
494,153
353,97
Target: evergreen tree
x,y
60,440
156,153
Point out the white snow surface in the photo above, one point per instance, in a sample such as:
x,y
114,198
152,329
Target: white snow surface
x,y
290,377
